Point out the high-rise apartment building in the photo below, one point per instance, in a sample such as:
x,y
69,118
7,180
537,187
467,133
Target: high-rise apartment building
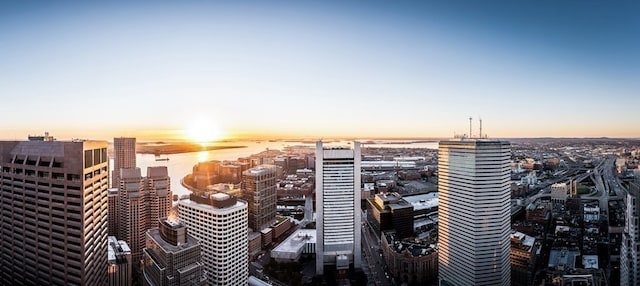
x,y
474,212
53,200
219,222
124,157
630,250
158,185
172,256
338,213
259,191
133,210
120,272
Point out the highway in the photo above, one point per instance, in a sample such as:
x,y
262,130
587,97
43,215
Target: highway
x,y
603,177
606,182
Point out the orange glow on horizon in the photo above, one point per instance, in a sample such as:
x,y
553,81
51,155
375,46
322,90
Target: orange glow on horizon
x,y
202,130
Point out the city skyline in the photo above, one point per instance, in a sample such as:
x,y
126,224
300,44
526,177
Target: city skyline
x,y
283,69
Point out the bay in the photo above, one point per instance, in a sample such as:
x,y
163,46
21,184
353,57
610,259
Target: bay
x,y
179,165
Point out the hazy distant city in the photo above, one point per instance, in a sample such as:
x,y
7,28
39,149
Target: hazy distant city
x,y
170,143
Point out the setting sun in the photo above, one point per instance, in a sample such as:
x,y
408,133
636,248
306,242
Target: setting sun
x,y
203,130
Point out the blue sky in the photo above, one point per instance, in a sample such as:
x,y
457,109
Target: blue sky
x,y
320,68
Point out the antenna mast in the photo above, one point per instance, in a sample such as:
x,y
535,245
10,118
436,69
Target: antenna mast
x,y
480,128
470,119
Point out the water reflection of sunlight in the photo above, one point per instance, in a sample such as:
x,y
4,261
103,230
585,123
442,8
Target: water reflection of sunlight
x,y
203,156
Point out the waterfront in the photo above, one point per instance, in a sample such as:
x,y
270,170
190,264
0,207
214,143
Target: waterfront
x,y
181,164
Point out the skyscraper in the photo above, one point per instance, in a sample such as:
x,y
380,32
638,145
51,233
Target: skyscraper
x,y
124,157
338,214
474,212
141,202
630,250
158,188
133,210
219,222
172,256
259,191
54,212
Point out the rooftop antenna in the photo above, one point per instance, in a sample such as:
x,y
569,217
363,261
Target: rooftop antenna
x,y
470,119
480,128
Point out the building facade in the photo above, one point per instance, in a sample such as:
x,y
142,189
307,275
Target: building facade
x,y
389,211
132,212
474,212
411,263
112,215
124,157
158,185
141,202
524,250
172,257
259,191
338,213
219,222
120,271
630,250
53,198
559,193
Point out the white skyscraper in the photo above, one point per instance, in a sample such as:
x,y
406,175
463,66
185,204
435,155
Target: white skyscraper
x,y
220,223
474,212
338,207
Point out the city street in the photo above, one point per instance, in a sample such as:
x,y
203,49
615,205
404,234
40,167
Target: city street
x,y
372,256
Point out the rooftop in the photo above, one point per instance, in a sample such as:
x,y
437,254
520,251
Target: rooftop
x,y
261,170
213,200
209,206
590,261
525,241
424,201
563,258
117,250
168,247
416,249
295,243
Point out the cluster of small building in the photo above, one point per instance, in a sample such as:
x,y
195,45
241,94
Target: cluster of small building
x,y
571,230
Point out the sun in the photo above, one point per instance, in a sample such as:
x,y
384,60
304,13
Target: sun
x,y
203,130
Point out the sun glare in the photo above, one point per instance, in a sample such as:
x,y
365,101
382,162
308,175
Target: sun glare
x,y
202,130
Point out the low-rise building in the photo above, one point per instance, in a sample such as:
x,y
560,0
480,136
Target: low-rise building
x,y
538,212
563,259
280,226
559,193
409,262
591,212
255,244
302,241
524,253
391,212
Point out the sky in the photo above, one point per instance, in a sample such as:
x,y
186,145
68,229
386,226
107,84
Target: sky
x,y
319,69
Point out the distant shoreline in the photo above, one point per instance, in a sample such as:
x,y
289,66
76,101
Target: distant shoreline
x,y
169,149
